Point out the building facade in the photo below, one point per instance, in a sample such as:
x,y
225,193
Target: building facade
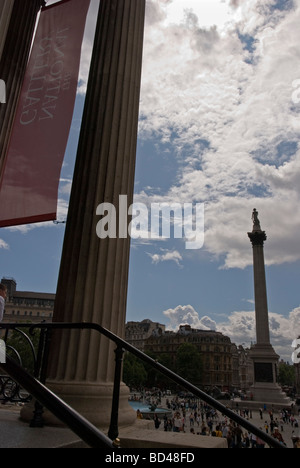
x,y
25,306
243,376
136,333
214,347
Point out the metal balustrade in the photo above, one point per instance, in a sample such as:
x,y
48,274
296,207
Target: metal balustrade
x,y
35,385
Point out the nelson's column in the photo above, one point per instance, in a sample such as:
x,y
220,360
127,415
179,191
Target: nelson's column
x,y
93,279
265,359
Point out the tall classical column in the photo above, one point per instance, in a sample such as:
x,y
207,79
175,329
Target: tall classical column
x,y
258,237
18,19
6,7
265,359
93,278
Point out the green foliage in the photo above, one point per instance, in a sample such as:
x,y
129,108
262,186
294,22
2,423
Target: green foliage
x,y
287,375
156,378
18,348
189,363
134,374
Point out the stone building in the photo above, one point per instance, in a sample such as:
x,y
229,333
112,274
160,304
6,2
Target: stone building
x,y
214,347
25,306
136,333
242,367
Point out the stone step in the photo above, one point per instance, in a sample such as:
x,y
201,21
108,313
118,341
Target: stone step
x,y
140,436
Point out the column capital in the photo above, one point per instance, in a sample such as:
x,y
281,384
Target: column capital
x,y
257,237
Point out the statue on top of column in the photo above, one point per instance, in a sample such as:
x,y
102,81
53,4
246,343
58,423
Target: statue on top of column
x,y
256,222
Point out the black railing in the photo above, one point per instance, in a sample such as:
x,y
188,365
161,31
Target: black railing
x,y
29,352
83,428
12,392
123,346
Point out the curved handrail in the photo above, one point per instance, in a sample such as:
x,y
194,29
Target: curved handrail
x,y
83,428
122,344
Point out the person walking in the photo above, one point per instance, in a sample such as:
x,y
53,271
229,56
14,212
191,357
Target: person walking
x,y
157,422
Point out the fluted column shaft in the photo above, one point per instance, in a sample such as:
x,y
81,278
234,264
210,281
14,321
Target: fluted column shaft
x,y
261,299
94,273
16,38
6,7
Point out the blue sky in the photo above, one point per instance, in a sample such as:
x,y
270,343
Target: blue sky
x,y
219,125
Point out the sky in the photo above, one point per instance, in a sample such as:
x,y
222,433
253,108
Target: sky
x,y
219,125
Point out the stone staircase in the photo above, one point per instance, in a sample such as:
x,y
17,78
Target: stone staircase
x,y
17,434
143,436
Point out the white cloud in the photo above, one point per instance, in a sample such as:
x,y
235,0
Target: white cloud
x,y
187,315
62,209
283,330
217,87
240,326
87,46
210,12
3,245
65,187
166,256
223,100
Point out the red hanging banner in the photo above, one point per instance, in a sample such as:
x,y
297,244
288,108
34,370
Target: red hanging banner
x,y
29,185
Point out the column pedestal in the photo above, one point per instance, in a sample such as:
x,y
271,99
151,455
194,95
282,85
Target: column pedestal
x,y
265,388
93,401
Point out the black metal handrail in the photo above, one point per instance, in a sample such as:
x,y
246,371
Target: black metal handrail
x,y
122,345
83,428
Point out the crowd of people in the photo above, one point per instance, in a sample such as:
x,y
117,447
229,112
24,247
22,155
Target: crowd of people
x,y
200,419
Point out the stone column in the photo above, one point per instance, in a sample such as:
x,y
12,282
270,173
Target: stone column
x,y
258,237
18,18
6,7
94,273
265,360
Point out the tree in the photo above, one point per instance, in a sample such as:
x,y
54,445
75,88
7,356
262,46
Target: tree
x,y
20,349
189,363
287,375
156,378
134,374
